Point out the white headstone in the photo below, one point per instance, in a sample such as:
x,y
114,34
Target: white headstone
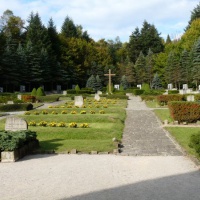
x,y
190,98
116,87
19,96
170,86
22,88
1,89
139,86
97,97
15,124
199,87
188,91
10,102
182,91
99,92
78,101
64,92
185,86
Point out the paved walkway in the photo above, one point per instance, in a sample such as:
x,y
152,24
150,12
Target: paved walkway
x,y
143,134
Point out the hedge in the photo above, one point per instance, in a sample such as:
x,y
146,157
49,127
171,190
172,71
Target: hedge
x,y
173,92
28,98
164,99
195,142
116,96
182,111
49,98
138,92
148,98
10,140
16,107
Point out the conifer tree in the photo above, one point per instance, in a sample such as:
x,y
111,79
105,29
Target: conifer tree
x,y
124,82
98,83
156,83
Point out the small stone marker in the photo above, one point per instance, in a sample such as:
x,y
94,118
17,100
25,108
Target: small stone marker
x,y
170,86
97,97
116,87
99,92
1,89
64,92
78,101
22,88
19,96
185,86
10,102
139,86
15,124
190,98
58,87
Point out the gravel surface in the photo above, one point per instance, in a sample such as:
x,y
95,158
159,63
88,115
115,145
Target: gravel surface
x,y
100,177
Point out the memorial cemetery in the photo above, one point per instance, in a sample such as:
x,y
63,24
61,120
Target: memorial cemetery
x,y
71,91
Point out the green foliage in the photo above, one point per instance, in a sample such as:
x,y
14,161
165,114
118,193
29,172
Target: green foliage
x,y
34,92
173,91
165,99
116,96
40,92
138,92
77,88
15,107
49,98
124,82
10,141
195,142
145,87
184,111
156,83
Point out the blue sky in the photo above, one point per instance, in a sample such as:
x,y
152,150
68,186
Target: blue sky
x,y
109,18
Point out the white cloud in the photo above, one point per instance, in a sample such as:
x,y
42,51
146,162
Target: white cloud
x,y
108,18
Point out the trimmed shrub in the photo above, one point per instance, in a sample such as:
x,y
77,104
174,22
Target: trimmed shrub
x,y
154,92
164,99
138,92
10,140
197,97
34,92
182,111
148,98
77,88
173,92
16,107
28,98
115,96
195,142
49,98
71,91
40,92
145,87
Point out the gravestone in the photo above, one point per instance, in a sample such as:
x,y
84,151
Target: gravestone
x,y
78,101
116,87
182,91
10,102
64,92
199,87
15,124
22,88
170,86
19,96
97,97
185,86
58,88
139,86
73,86
99,92
190,98
1,89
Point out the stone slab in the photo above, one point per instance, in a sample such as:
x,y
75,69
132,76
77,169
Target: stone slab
x,y
15,124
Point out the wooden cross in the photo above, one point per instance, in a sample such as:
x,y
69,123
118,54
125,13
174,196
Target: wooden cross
x,y
109,76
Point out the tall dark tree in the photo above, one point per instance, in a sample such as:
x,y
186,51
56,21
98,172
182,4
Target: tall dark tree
x,y
149,66
156,83
195,14
185,66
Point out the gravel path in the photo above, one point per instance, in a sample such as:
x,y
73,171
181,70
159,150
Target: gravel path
x,y
143,134
106,177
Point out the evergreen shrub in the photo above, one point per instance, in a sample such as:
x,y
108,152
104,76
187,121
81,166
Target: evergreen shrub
x,y
148,98
34,92
173,91
16,107
40,92
182,111
71,91
77,88
164,99
195,142
138,92
49,98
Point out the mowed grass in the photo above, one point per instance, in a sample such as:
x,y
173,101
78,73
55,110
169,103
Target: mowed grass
x,y
98,137
163,114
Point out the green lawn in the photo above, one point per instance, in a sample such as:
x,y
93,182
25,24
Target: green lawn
x,y
98,137
163,114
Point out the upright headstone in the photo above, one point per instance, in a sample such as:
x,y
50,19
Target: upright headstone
x,y
73,86
185,86
15,124
190,98
139,86
78,101
10,102
58,88
22,88
1,89
170,86
64,92
19,96
99,92
116,87
97,97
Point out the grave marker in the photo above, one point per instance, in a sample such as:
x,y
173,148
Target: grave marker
x,y
109,82
19,96
15,124
116,87
58,88
1,89
78,101
10,102
22,88
99,92
97,97
190,98
139,86
185,86
170,86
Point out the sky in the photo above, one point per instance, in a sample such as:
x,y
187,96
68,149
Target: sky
x,y
109,18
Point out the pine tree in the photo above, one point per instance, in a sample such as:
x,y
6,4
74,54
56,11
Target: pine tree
x,y
130,72
185,66
98,83
156,83
91,83
34,92
124,82
168,40
149,66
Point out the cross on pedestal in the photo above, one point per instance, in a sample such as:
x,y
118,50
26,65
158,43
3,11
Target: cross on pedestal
x,y
109,76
